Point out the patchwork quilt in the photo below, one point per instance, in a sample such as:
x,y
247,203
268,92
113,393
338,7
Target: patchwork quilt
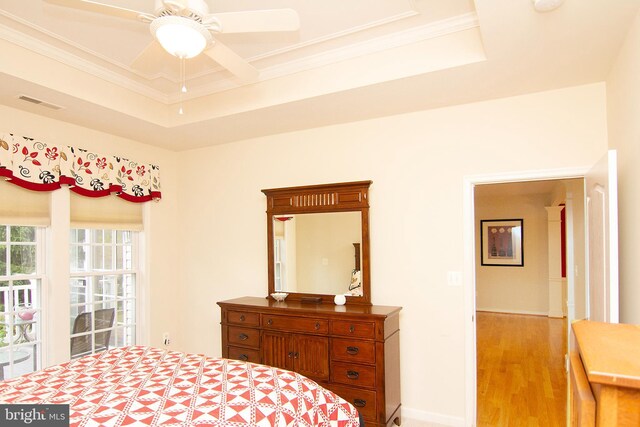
x,y
140,385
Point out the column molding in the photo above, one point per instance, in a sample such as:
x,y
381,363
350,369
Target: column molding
x,y
555,261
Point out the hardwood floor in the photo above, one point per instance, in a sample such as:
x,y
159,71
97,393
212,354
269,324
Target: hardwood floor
x,y
521,376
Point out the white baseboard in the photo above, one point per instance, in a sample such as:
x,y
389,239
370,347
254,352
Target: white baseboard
x,y
418,418
500,310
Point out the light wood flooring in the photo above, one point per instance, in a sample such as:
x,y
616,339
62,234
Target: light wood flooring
x,y
521,376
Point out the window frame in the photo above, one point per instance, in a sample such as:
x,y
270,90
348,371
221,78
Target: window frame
x,y
91,274
41,290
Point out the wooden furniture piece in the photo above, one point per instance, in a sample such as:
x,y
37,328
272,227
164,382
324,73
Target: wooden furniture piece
x,y
326,198
353,350
605,375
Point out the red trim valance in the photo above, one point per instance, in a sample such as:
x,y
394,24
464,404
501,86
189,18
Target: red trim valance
x,y
40,166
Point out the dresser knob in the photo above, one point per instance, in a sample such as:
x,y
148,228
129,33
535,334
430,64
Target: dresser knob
x,y
353,375
242,317
317,325
352,350
243,337
270,322
352,329
244,357
360,403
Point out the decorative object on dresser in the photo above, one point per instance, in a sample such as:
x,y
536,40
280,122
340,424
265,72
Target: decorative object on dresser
x,y
605,375
353,350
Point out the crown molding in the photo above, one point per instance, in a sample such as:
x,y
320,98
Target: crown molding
x,y
414,35
398,39
378,44
69,59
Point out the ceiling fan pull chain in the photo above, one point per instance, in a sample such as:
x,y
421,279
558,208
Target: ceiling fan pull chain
x,y
183,84
183,76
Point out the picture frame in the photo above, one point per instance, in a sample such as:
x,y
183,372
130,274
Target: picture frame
x,y
502,242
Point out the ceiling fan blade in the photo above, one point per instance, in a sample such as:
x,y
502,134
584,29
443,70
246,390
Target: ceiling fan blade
x,y
257,21
233,62
102,8
150,59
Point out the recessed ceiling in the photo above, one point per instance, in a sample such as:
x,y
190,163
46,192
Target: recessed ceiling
x,y
349,61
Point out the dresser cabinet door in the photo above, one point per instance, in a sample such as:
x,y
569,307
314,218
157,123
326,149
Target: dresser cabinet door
x,y
311,356
306,354
276,350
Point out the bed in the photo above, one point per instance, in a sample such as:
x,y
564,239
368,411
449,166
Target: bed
x,y
141,385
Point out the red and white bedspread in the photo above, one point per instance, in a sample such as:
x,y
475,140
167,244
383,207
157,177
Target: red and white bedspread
x,y
149,386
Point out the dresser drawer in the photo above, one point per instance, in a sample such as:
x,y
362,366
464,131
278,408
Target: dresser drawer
x,y
245,337
244,354
352,374
363,400
295,324
353,350
243,318
353,329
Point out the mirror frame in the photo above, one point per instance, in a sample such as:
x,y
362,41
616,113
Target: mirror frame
x,y
340,197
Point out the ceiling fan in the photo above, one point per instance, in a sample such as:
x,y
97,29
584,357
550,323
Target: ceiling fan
x,y
185,29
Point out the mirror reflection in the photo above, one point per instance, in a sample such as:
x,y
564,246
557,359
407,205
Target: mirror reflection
x,y
318,253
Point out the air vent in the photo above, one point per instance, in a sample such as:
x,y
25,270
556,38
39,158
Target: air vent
x,y
40,102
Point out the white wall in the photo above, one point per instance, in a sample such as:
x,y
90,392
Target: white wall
x,y
165,292
417,163
623,108
523,290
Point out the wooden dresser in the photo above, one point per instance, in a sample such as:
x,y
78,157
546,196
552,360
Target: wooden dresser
x,y
351,350
605,375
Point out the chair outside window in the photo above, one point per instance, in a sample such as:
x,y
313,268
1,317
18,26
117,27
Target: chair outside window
x,y
83,324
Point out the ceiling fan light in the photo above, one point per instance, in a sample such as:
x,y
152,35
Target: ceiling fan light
x,y
181,37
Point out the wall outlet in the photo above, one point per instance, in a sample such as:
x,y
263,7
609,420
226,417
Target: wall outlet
x,y
165,338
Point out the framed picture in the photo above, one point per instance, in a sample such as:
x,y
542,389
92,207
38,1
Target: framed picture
x,y
501,242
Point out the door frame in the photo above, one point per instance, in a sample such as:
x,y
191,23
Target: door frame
x,y
469,268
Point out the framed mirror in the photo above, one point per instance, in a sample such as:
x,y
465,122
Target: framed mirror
x,y
318,242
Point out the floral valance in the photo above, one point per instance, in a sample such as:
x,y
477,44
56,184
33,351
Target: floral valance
x,y
40,166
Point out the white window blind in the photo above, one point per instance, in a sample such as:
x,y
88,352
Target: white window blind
x,y
110,213
19,206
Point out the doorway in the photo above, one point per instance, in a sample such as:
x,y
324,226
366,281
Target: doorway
x,y
522,297
471,260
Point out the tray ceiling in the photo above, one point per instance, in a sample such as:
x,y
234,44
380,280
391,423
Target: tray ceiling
x,y
350,60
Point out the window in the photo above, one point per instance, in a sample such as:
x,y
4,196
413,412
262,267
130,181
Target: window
x,y
278,264
102,289
21,275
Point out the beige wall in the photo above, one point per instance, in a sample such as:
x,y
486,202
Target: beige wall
x,y
524,289
417,163
164,293
623,108
207,239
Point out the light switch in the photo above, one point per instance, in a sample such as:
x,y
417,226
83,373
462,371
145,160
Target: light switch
x,y
454,278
